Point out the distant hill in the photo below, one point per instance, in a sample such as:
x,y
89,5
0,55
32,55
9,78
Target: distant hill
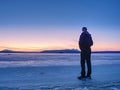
x,y
56,51
7,51
11,51
75,51
106,52
61,51
45,51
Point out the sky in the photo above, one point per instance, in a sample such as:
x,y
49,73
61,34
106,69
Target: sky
x,y
34,25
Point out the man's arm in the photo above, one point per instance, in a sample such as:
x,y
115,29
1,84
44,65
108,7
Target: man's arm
x,y
91,41
80,41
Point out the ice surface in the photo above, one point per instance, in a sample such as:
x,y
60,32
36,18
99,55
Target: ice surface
x,y
20,71
39,59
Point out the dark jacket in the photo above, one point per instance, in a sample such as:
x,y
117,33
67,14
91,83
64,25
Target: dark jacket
x,y
85,41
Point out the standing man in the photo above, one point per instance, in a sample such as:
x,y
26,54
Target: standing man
x,y
85,43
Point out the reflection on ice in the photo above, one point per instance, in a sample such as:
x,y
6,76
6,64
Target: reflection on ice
x,y
57,72
38,59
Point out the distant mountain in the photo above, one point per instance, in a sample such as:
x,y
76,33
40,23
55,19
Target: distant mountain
x,y
75,51
7,51
45,51
56,51
106,52
61,51
10,51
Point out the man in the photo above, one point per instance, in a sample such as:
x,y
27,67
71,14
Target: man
x,y
85,43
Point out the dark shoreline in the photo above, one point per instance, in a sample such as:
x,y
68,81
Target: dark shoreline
x,y
57,51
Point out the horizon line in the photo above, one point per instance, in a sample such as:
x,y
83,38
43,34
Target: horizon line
x,y
58,50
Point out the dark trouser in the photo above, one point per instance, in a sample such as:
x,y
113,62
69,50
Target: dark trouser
x,y
85,58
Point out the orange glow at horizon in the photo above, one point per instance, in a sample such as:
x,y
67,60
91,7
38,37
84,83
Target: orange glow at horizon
x,y
38,39
57,47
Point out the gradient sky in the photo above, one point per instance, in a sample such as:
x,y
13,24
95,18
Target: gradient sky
x,y
33,25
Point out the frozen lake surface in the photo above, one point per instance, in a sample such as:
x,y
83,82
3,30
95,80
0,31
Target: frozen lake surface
x,y
43,59
37,71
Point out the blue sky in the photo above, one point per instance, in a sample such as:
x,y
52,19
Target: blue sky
x,y
56,24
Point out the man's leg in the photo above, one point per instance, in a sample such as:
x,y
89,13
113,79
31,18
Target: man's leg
x,y
88,64
82,64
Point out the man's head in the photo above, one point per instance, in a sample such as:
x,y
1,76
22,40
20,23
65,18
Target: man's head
x,y
84,29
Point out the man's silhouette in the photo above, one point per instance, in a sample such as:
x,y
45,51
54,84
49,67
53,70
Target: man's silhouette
x,y
85,43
